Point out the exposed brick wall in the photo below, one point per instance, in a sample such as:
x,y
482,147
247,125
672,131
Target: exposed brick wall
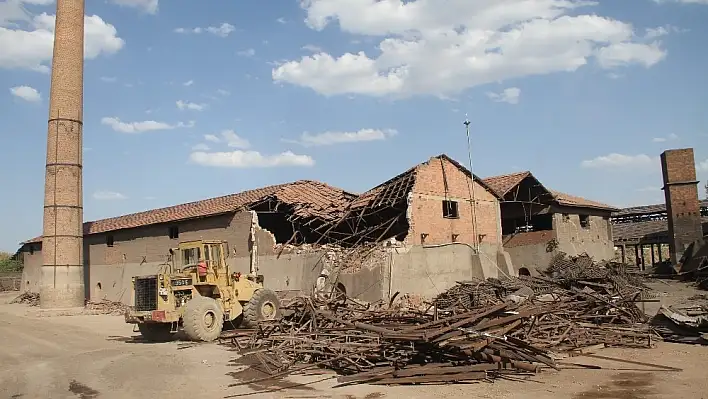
x,y
682,205
426,209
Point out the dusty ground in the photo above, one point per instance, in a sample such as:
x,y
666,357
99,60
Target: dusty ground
x,y
98,357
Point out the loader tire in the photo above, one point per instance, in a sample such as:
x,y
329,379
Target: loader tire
x,y
203,319
263,305
156,332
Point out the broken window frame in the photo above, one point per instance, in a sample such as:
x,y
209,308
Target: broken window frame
x,y
584,221
173,232
110,241
450,209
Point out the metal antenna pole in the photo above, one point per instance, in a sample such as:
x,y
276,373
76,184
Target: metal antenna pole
x,y
472,193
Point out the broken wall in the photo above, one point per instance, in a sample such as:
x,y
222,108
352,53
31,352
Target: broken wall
x,y
427,272
574,239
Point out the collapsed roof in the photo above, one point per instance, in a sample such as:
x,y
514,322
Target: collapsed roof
x,y
305,199
504,184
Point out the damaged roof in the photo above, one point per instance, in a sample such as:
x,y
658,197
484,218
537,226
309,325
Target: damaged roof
x,y
572,200
308,199
503,184
397,188
649,209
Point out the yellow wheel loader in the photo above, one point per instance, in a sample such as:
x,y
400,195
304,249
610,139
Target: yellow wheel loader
x,y
197,294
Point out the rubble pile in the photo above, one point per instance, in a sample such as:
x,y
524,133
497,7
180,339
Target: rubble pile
x,y
106,307
28,298
477,330
375,345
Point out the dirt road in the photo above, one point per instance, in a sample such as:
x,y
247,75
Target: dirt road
x,y
97,357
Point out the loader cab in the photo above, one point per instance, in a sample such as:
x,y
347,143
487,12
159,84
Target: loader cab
x,y
206,259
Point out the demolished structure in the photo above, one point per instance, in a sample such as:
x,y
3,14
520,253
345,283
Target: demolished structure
x,y
418,233
646,235
538,223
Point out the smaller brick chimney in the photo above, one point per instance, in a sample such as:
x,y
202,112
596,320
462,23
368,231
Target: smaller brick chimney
x,y
682,206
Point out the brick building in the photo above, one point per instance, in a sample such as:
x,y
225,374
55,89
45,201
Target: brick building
x,y
430,204
538,222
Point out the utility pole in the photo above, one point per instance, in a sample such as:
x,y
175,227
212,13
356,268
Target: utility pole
x,y
473,204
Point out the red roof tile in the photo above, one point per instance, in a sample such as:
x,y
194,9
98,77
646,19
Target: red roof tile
x,y
308,198
572,200
502,184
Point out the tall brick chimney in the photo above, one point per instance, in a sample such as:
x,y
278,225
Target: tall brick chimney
x,y
62,239
682,206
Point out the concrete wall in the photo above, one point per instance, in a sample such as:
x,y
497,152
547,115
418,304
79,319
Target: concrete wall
x,y
534,250
531,257
574,239
426,207
414,270
430,271
151,243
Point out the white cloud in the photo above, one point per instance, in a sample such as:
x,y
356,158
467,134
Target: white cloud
x,y
212,138
442,47
200,147
281,20
222,30
190,106
247,53
312,48
188,83
249,159
108,79
233,140
148,6
331,138
623,54
32,49
223,92
615,160
140,127
26,93
229,137
670,137
108,195
660,31
510,95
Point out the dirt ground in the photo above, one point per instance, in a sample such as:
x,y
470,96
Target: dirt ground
x,y
99,357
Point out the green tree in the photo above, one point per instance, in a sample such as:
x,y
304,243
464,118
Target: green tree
x,y
8,263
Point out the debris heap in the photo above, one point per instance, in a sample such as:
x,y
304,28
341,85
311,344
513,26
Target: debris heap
x,y
477,330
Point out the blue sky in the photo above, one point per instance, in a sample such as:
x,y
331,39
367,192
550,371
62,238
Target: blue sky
x,y
187,100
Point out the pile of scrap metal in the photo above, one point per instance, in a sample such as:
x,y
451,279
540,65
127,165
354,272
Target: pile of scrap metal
x,y
475,331
376,345
694,263
685,323
583,303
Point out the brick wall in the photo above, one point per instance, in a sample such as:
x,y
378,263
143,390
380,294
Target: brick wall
x,y
682,205
426,207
